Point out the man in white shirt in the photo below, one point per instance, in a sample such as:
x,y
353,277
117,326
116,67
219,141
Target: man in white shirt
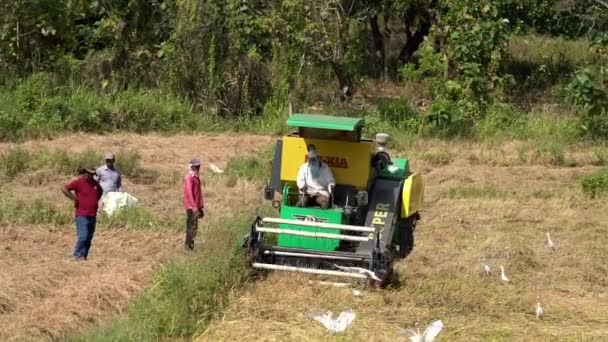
x,y
315,181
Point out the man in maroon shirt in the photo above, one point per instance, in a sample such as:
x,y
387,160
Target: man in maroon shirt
x,y
87,193
193,201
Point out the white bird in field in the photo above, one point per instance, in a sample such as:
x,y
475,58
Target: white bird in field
x,y
503,276
215,169
539,310
429,333
486,268
360,270
550,243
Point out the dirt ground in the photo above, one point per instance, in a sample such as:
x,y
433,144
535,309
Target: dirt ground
x,y
44,294
482,202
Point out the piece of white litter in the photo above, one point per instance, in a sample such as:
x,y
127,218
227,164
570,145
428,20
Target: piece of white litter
x,y
431,331
115,200
215,169
358,293
337,325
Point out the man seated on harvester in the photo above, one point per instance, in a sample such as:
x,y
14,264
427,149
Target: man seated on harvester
x,y
315,181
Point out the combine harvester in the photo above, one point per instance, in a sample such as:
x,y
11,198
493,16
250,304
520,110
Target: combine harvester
x,y
372,217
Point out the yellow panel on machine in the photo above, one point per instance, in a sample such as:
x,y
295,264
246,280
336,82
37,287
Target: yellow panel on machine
x,y
349,161
413,195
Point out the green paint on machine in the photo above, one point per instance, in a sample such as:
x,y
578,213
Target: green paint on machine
x,y
313,215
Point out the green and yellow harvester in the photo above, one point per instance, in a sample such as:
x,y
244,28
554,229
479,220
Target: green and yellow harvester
x,y
372,217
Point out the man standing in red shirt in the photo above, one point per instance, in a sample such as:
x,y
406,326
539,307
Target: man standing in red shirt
x,y
193,201
87,193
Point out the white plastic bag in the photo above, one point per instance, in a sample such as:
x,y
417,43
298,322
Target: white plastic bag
x,y
336,325
116,200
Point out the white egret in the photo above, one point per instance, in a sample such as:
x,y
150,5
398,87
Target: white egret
x,y
486,268
550,243
503,276
539,310
215,169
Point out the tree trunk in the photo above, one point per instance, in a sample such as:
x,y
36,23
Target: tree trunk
x,y
346,83
378,45
413,41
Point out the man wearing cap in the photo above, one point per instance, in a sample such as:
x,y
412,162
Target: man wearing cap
x,y
193,201
315,181
108,176
85,192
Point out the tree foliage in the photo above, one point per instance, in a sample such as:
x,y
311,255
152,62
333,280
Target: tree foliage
x,y
240,58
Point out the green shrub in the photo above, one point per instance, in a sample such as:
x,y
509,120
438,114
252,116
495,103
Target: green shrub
x,y
16,161
145,111
375,124
399,114
500,119
595,184
546,127
448,118
592,101
253,168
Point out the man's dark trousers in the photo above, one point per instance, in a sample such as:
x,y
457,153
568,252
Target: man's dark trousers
x,y
191,228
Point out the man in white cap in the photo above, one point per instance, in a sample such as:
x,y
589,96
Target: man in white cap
x,y
315,181
193,201
109,176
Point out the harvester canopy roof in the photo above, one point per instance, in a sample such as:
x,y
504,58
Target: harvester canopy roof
x,y
339,123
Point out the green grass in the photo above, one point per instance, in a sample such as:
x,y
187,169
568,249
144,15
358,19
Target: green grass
x,y
18,161
503,122
61,214
37,107
475,192
252,168
187,292
18,212
595,184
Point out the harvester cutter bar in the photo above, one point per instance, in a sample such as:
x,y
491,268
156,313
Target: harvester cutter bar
x,y
308,270
313,255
